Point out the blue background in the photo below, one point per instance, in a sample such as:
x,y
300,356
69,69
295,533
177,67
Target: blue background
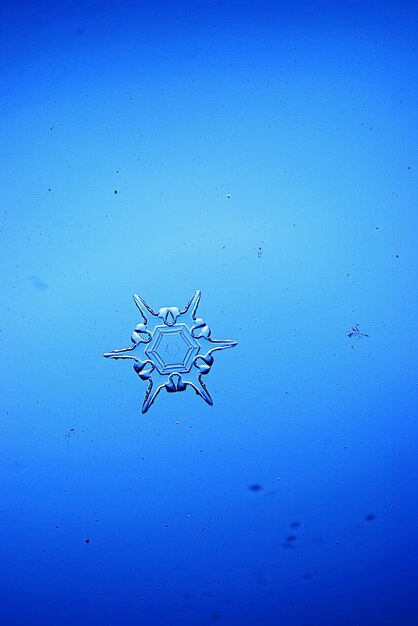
x,y
264,153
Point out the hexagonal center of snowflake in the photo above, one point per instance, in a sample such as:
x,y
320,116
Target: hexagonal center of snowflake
x,y
172,348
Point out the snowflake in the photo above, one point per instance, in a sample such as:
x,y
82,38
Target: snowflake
x,y
176,349
356,333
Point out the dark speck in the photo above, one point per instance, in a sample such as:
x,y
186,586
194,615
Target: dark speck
x,y
356,333
291,538
255,487
295,525
86,540
37,282
116,191
370,518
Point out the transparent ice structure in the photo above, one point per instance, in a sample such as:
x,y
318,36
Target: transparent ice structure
x,y
171,348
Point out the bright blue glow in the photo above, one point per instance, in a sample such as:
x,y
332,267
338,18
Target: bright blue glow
x,y
266,153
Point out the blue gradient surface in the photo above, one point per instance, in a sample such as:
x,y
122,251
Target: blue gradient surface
x,y
264,153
